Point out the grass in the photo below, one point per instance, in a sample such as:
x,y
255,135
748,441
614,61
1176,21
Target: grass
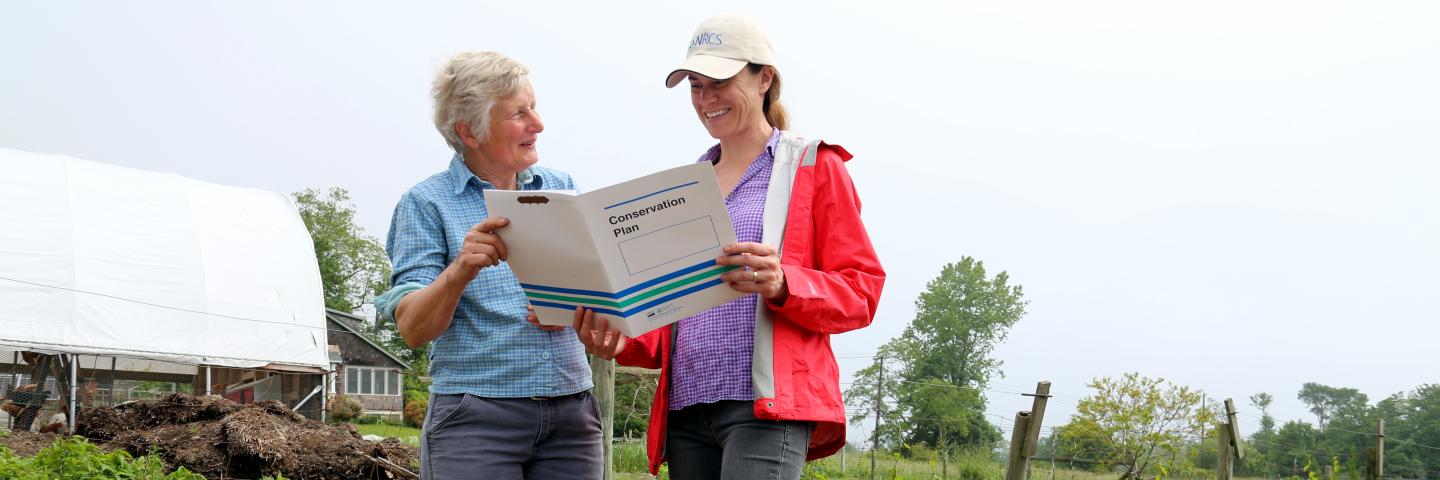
x,y
630,465
408,435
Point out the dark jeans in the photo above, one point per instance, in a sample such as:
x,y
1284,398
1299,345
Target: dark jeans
x,y
724,440
466,436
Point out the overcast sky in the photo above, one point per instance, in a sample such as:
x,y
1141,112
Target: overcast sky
x,y
1237,196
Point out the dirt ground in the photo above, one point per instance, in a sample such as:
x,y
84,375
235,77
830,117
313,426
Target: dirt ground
x,y
26,444
218,438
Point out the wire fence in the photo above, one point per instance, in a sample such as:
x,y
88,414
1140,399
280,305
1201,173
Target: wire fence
x,y
37,388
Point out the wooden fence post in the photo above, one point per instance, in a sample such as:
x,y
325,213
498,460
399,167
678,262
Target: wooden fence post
x,y
1015,468
603,372
1037,417
1224,466
1037,420
1227,441
1234,427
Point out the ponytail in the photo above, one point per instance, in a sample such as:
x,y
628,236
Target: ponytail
x,y
775,113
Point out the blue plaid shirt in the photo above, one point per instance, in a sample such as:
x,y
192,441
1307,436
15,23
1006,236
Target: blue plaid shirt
x,y
489,349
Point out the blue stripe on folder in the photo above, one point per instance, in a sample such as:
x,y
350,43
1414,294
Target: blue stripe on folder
x,y
642,197
626,292
640,308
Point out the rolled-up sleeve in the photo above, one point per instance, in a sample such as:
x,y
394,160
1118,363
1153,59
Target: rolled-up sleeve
x,y
417,249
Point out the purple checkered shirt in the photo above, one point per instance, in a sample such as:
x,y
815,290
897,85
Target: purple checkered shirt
x,y
713,349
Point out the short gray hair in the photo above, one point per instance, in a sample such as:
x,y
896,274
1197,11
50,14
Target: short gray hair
x,y
468,87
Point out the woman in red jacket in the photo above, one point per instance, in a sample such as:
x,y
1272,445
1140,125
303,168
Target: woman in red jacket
x,y
750,389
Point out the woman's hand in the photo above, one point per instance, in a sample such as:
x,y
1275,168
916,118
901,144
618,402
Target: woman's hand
x,y
482,248
597,336
761,273
535,320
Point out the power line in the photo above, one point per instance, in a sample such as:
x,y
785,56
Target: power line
x,y
1387,437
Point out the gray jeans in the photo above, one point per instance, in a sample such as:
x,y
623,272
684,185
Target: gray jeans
x,y
466,436
724,440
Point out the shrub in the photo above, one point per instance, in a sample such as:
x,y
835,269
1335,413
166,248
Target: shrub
x,y
919,453
415,412
975,464
344,409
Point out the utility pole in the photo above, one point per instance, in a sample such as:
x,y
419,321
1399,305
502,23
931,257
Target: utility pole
x,y
1203,397
1380,450
875,441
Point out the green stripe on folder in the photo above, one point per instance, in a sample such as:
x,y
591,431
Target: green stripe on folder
x,y
620,305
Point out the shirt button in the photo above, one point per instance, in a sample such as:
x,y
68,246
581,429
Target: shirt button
x,y
545,355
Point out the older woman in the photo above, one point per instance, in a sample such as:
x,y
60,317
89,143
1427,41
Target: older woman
x,y
750,389
508,399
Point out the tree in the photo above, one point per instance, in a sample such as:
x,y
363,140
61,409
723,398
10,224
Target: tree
x,y
633,395
1325,401
353,266
1261,440
1262,402
872,393
1294,448
1420,426
1136,422
943,360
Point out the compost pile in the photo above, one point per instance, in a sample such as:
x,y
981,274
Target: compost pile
x,y
219,438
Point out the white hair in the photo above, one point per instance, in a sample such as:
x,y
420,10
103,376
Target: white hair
x,y
468,87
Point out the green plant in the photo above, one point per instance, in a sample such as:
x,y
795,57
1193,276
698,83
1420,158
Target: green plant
x,y
630,457
919,453
74,458
819,471
974,464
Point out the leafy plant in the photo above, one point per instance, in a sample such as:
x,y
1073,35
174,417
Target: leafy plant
x,y
74,458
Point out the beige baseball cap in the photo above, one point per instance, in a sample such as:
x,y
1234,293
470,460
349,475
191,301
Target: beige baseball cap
x,y
721,46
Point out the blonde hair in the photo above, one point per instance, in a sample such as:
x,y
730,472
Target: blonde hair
x,y
467,89
775,113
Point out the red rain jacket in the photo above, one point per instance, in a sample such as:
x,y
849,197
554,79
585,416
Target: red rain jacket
x,y
834,280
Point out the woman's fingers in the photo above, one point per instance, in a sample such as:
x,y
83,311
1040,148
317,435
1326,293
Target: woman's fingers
x,y
596,335
753,248
583,317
